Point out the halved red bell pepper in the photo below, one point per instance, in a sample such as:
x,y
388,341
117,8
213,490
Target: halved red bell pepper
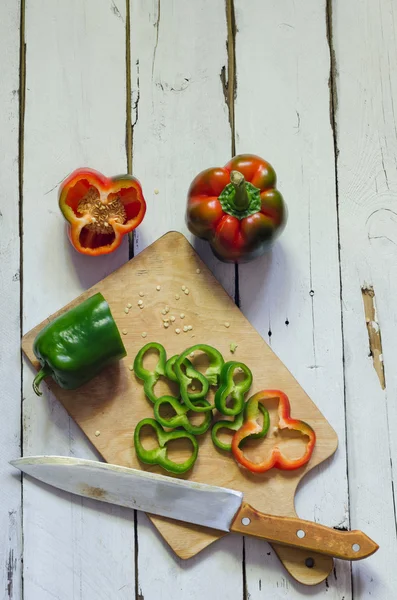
x,y
100,210
276,458
237,208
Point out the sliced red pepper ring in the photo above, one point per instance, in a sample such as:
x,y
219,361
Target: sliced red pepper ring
x,y
100,210
251,427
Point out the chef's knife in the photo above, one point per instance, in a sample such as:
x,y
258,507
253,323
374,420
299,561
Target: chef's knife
x,y
198,503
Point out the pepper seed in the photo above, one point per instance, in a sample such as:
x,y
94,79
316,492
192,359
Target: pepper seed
x,y
177,296
140,302
227,325
172,318
144,334
97,433
182,315
186,328
131,367
186,291
183,288
126,310
141,294
198,271
129,305
158,288
166,324
177,330
124,331
189,328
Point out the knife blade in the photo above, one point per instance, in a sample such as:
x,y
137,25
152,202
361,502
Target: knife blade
x,y
190,502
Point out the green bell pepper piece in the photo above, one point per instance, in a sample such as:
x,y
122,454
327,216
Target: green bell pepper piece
x,y
158,456
229,388
180,418
210,377
190,372
232,425
150,378
77,345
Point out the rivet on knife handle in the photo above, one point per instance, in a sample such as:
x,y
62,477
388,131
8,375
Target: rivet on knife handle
x,y
291,531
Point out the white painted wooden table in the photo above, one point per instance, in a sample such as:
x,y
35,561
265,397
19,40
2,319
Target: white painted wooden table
x,y
165,88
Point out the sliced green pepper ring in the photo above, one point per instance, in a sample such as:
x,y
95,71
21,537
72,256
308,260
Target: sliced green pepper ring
x,y
210,377
229,388
150,378
158,456
190,372
232,425
180,418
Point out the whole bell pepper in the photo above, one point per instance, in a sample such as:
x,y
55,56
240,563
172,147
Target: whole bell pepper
x,y
78,344
237,208
100,210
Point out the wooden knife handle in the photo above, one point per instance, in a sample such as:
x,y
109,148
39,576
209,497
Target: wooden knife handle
x,y
291,531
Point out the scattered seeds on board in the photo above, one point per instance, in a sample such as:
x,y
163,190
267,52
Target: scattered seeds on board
x,y
141,294
186,291
183,288
182,315
172,318
126,310
129,305
198,271
158,287
177,296
144,334
186,328
124,331
227,324
131,367
97,433
177,330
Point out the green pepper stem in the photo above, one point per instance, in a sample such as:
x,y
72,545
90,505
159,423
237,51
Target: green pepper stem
x,y
44,372
241,199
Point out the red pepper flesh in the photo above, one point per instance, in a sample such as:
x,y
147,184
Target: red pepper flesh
x,y
237,208
100,210
276,458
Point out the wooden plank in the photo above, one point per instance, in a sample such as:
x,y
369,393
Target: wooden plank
x,y
365,74
282,114
10,364
180,126
75,116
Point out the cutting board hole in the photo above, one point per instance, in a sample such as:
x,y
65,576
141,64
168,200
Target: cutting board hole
x,y
246,520
356,547
300,533
309,562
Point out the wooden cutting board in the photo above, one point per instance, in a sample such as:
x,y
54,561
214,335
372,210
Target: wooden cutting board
x,y
108,408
